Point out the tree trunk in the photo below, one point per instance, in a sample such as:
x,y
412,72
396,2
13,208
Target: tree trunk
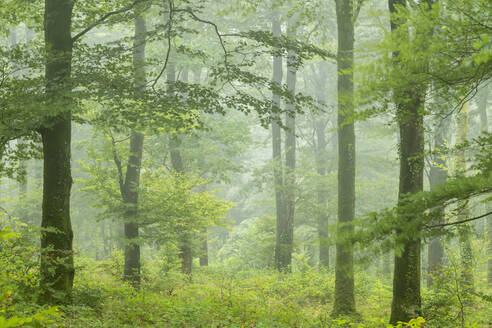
x,y
132,177
465,230
406,302
197,76
437,177
185,251
130,199
344,266
277,150
57,271
321,169
285,232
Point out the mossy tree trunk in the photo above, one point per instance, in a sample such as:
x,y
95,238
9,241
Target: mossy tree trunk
x,y
344,266
406,303
56,270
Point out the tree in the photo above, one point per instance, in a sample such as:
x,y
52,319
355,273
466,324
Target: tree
x,y
408,100
277,141
437,177
285,228
57,271
322,169
129,184
344,266
465,230
185,249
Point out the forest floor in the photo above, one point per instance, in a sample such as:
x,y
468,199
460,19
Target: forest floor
x,y
216,297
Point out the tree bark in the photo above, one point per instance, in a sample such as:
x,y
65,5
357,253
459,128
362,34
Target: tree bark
x,y
344,266
132,177
56,270
406,302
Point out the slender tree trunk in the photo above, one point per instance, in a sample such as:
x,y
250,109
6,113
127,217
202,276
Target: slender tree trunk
x,y
437,177
132,177
185,251
321,168
344,266
465,230
277,151
57,271
130,199
285,234
197,76
406,302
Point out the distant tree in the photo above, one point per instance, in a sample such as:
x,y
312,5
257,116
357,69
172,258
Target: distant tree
x,y
437,177
130,185
465,229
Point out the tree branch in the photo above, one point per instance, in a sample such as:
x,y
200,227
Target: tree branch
x,y
458,222
168,53
104,18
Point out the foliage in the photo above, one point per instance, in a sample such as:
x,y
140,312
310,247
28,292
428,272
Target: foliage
x,y
18,278
221,297
426,206
171,204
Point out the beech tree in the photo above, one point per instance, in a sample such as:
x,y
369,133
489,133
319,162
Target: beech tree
x,y
344,285
57,271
